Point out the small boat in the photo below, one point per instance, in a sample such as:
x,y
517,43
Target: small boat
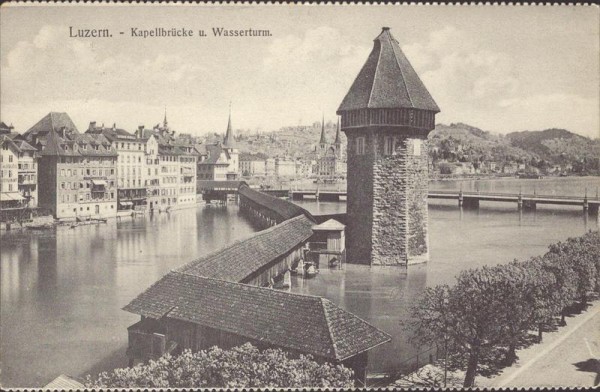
x,y
287,280
311,270
299,270
334,262
40,227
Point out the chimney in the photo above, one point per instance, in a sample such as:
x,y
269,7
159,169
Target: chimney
x,y
92,126
114,126
140,131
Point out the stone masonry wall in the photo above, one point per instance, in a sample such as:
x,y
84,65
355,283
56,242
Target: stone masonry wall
x,y
390,214
417,170
387,199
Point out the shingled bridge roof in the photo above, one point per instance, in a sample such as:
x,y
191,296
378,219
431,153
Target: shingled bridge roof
x,y
304,323
283,208
243,258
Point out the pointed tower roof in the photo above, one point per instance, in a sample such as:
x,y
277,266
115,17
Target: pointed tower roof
x,y
323,139
165,120
338,139
387,81
229,141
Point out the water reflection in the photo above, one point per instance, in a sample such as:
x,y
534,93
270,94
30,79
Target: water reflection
x,y
62,291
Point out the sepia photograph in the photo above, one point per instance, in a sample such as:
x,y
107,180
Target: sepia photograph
x,y
299,196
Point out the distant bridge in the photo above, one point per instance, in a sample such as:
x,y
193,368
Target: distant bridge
x,y
464,199
218,190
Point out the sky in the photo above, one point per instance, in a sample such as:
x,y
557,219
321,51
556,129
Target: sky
x,y
499,68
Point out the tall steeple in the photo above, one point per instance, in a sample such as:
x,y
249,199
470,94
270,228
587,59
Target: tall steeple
x,y
338,139
229,141
323,141
165,123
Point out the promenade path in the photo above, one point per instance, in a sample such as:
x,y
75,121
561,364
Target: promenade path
x,y
568,357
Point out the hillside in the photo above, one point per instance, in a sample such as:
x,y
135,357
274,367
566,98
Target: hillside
x,y
556,145
548,150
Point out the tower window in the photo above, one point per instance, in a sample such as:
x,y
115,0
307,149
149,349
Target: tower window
x,y
417,147
360,146
388,145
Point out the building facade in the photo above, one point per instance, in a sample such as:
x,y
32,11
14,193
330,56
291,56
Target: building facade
x,y
171,171
220,161
387,126
12,203
285,167
252,165
77,175
131,160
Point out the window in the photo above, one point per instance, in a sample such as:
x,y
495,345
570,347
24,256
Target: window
x,y
9,187
388,145
360,146
417,147
62,172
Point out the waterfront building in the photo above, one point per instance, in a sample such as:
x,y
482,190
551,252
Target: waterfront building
x,y
184,311
28,172
12,203
151,170
214,164
387,115
220,160
176,160
253,165
77,175
270,167
131,160
285,167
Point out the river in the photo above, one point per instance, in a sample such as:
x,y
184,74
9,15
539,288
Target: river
x,y
62,290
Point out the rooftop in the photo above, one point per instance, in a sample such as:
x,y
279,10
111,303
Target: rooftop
x,y
387,80
330,224
283,208
243,258
52,121
298,322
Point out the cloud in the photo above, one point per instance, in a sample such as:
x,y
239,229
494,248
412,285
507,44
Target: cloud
x,y
50,68
540,111
314,70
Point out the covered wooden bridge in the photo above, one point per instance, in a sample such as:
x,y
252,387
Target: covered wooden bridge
x,y
187,311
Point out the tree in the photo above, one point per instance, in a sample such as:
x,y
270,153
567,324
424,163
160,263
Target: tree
x,y
241,367
576,252
543,294
469,316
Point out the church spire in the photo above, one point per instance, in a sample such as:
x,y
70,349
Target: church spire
x,y
229,141
165,123
323,140
338,140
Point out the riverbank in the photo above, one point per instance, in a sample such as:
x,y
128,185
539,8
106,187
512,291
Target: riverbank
x,y
48,221
568,357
